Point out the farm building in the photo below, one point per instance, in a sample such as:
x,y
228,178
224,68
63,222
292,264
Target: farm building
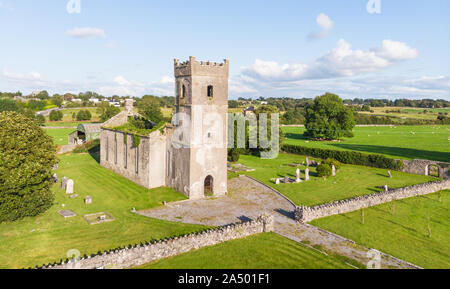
x,y
85,133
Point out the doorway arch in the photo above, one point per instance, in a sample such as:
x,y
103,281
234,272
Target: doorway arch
x,y
209,186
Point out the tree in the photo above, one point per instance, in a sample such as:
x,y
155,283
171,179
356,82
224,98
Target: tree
x,y
107,111
55,115
328,118
324,170
7,104
57,100
84,114
27,155
40,119
150,109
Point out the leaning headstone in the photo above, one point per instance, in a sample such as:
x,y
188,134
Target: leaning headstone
x,y
298,179
55,178
307,174
69,187
277,181
63,183
386,188
88,200
333,170
389,174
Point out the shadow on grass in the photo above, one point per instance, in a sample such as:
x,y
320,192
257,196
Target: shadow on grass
x,y
94,152
397,151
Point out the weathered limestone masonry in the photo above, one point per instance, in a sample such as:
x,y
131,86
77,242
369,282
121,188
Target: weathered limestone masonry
x,y
141,255
422,167
306,214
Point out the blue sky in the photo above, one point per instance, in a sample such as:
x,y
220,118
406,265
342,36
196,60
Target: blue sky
x,y
276,48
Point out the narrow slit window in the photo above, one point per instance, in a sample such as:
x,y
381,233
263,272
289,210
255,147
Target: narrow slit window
x,y
183,94
137,160
107,148
115,150
125,156
210,91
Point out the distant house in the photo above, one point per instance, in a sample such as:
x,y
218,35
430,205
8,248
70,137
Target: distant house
x,y
19,98
77,100
114,103
94,100
85,133
264,102
35,93
249,110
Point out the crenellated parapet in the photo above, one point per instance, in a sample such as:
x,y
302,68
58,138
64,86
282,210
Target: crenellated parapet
x,y
194,67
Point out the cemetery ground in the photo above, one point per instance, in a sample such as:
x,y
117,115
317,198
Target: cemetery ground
x,y
401,228
47,238
405,142
350,181
253,253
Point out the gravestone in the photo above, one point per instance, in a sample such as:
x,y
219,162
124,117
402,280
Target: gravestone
x,y
307,174
63,183
69,187
88,200
277,181
333,170
298,179
55,178
286,180
389,174
386,188
307,162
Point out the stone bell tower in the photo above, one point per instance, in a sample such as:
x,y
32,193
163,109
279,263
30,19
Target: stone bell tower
x,y
197,156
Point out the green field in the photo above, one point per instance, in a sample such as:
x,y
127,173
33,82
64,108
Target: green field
x,y
71,124
406,142
263,251
350,181
409,112
47,238
60,135
400,228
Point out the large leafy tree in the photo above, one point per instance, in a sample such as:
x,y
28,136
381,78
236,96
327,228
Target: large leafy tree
x,y
107,111
328,118
150,109
27,155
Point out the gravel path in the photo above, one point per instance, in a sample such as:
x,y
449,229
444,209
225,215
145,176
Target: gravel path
x,y
248,199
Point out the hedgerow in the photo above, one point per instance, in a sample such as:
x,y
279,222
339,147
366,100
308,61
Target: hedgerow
x,y
346,157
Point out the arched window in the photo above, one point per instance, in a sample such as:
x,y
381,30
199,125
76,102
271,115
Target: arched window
x,y
183,93
210,91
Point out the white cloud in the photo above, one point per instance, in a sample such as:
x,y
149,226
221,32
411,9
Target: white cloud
x,y
341,61
120,80
324,21
32,76
397,50
325,24
86,32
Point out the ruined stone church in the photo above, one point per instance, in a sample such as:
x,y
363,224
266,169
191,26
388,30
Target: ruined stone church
x,y
188,155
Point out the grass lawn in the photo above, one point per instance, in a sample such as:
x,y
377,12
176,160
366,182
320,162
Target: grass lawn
x,y
60,135
263,251
400,228
66,123
47,238
406,142
350,180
